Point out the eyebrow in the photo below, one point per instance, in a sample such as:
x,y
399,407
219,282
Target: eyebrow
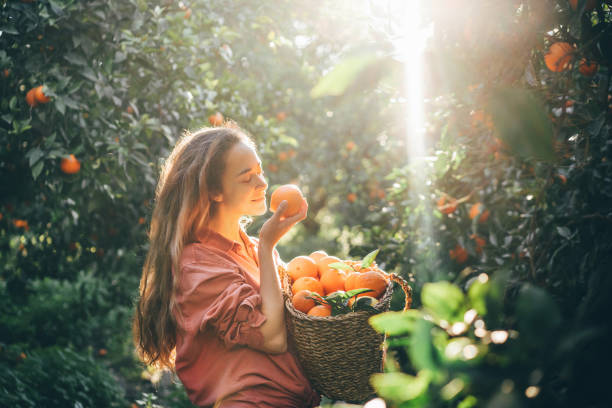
x,y
247,170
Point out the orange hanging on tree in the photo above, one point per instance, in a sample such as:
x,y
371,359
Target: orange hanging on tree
x,y
40,96
70,165
559,56
587,68
216,119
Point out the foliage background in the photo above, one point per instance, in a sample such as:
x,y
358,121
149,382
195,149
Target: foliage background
x,y
320,88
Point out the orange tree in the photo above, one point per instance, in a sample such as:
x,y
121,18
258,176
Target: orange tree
x,y
509,248
93,94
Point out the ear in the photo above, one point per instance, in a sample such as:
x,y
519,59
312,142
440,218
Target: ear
x,y
216,198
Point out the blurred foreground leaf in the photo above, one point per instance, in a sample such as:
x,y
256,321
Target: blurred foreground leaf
x,y
444,300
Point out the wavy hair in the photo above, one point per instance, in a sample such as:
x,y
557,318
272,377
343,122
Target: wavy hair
x,y
183,205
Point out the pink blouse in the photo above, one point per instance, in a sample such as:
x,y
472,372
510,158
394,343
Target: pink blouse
x,y
216,360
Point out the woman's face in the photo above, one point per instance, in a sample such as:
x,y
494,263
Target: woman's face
x,y
244,187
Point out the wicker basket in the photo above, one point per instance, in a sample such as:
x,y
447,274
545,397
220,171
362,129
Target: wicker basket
x,y
339,353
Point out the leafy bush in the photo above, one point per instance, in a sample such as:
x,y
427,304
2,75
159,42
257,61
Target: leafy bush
x,y
64,313
57,377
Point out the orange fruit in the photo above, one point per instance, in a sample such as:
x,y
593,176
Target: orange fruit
x,y
587,68
301,266
7,72
484,216
308,283
323,263
216,119
31,98
283,156
333,280
272,168
480,242
459,254
562,178
475,210
301,301
559,56
367,280
129,110
316,255
280,116
351,197
350,145
40,96
102,352
70,165
292,194
21,224
590,4
187,13
447,208
320,310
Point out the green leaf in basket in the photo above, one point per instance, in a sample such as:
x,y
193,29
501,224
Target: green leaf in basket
x,y
319,300
340,265
356,292
395,323
369,258
444,300
399,387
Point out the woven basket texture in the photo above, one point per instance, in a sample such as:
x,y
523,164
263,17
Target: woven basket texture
x,y
339,353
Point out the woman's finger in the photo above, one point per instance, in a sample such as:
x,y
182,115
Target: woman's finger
x,y
280,210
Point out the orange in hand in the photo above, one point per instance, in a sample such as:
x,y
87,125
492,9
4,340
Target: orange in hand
x,y
292,194
301,266
308,283
301,301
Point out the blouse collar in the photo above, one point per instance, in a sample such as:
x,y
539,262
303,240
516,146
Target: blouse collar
x,y
213,238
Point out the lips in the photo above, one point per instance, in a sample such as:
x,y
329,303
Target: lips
x,y
259,199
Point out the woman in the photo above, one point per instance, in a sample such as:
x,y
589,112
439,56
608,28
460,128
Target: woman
x,y
210,302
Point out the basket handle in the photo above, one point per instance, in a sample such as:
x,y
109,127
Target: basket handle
x,y
405,287
284,280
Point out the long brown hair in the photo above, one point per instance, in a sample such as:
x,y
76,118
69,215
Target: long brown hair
x,y
183,205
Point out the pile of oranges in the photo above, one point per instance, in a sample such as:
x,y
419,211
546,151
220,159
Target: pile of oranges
x,y
325,285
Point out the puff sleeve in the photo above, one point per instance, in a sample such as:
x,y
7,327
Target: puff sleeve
x,y
214,296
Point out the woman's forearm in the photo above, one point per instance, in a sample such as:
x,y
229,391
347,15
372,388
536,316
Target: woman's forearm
x,y
273,329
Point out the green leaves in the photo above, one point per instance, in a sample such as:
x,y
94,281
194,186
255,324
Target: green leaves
x,y
400,387
538,315
521,121
353,70
369,258
396,323
444,300
339,301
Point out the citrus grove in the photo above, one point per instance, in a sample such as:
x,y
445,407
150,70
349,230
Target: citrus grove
x,y
504,232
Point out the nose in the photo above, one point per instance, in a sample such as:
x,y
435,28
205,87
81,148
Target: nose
x,y
262,184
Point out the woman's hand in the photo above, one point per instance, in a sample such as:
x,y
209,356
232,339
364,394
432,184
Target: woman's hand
x,y
278,225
